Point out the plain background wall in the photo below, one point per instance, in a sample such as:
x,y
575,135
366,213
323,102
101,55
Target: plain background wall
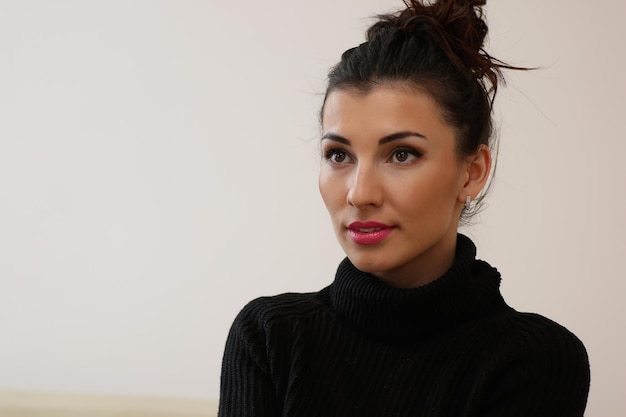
x,y
158,164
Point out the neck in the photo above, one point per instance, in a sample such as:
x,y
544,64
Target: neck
x,y
467,289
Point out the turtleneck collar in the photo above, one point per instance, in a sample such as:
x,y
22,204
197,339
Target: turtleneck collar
x,y
467,290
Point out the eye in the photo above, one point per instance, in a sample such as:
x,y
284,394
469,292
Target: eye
x,y
404,155
337,156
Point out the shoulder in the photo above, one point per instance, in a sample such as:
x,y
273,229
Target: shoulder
x,y
539,366
509,338
266,326
532,332
542,349
264,312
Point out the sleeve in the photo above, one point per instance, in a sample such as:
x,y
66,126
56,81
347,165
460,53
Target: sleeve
x,y
246,388
550,378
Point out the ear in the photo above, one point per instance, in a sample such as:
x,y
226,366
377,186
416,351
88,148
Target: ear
x,y
476,173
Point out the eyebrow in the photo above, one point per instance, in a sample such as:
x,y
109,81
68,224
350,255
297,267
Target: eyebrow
x,y
382,141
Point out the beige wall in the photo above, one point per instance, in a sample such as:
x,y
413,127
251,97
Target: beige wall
x,y
158,170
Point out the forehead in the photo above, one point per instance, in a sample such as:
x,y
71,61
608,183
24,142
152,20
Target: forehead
x,y
382,110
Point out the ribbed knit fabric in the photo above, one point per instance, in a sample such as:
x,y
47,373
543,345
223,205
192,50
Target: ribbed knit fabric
x,y
360,348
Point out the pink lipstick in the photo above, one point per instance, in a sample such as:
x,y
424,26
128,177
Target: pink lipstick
x,y
368,233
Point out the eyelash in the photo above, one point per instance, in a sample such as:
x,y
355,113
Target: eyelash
x,y
328,155
408,150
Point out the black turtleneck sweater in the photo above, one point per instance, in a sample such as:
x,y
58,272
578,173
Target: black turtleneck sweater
x,y
361,348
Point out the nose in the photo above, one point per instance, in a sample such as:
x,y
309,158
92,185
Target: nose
x,y
365,188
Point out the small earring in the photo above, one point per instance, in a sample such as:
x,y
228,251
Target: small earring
x,y
468,202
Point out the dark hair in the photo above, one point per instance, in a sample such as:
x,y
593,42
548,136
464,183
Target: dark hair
x,y
438,49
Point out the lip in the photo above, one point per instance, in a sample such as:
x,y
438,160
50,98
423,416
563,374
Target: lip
x,y
368,233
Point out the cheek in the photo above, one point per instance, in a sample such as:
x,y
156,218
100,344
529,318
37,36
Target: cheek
x,y
329,190
423,194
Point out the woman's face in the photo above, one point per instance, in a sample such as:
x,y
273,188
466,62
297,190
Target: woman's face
x,y
392,182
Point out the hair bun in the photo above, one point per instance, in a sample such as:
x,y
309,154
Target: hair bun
x,y
460,19
464,20
456,27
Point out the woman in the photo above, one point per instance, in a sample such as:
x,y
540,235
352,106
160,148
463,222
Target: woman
x,y
413,324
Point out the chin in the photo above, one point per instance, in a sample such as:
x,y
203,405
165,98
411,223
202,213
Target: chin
x,y
367,264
